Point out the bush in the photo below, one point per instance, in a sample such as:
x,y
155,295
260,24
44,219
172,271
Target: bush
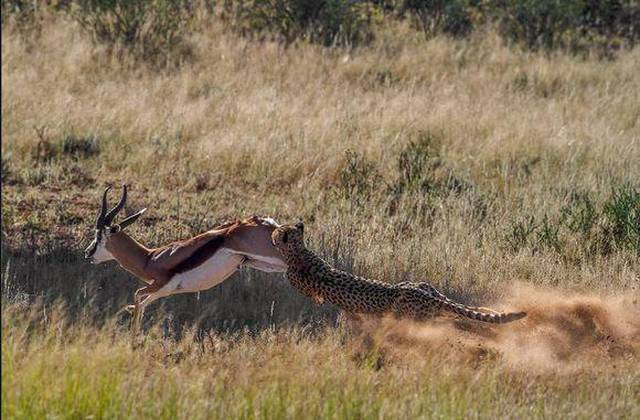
x,y
548,24
573,24
416,164
26,15
358,178
151,30
20,9
580,215
326,22
451,17
71,145
80,147
539,23
422,170
596,231
612,19
622,214
520,233
6,171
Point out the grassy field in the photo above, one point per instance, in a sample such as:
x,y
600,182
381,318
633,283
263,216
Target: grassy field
x,y
505,177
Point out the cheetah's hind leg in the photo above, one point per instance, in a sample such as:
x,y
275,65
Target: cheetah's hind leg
x,y
435,292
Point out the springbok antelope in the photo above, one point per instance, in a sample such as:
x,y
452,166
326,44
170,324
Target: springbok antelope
x,y
190,265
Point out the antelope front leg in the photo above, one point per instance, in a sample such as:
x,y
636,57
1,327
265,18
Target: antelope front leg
x,y
135,324
138,297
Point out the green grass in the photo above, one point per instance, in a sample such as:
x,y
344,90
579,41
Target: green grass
x,y
77,371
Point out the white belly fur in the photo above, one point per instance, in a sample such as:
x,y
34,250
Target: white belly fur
x,y
211,273
268,264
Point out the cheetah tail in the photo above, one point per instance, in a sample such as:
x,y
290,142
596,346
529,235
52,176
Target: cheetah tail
x,y
494,318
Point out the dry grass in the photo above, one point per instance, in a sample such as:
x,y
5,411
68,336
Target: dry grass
x,y
255,128
53,369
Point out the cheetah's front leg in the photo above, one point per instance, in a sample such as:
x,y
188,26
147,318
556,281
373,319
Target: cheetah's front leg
x,y
318,299
305,287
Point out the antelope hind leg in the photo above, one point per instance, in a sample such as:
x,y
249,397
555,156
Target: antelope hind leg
x,y
126,308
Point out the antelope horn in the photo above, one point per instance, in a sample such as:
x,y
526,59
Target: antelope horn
x,y
100,221
112,213
129,220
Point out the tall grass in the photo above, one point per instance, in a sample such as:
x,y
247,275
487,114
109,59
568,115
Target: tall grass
x,y
464,162
51,368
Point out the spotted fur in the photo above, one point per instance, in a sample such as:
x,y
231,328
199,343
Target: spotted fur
x,y
316,279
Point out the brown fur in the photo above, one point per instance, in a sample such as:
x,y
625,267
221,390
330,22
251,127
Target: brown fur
x,y
157,266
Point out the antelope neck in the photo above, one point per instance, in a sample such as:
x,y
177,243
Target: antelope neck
x,y
130,254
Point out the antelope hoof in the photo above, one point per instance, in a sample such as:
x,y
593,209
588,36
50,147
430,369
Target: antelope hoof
x,y
136,342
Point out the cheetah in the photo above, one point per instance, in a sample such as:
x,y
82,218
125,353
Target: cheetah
x,y
316,279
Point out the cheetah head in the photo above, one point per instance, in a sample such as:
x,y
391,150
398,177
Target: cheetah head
x,y
288,238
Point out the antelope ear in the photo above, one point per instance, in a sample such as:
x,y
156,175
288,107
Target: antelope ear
x,y
300,226
114,229
129,220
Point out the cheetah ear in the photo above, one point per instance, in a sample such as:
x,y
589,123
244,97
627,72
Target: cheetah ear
x,y
285,237
300,226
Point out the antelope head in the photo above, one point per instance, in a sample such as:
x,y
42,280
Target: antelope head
x,y
98,251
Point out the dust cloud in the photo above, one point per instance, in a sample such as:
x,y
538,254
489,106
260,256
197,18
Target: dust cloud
x,y
562,332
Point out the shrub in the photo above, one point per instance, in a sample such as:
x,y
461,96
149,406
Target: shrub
x,y
151,30
19,9
622,214
538,23
548,234
71,145
358,178
529,233
573,24
451,17
616,224
26,15
580,215
416,164
6,171
80,147
520,233
326,22
611,18
421,169
424,181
